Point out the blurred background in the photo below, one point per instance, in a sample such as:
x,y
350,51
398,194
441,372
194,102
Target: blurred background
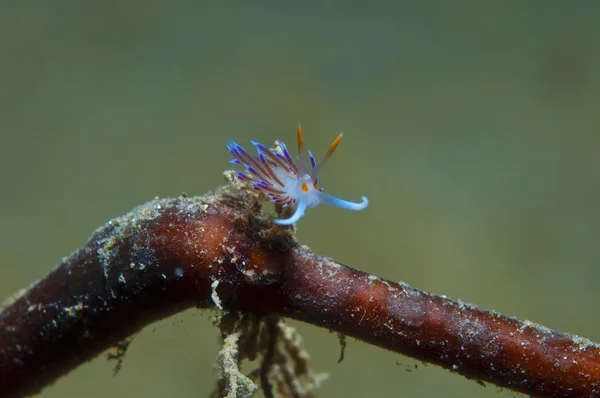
x,y
473,128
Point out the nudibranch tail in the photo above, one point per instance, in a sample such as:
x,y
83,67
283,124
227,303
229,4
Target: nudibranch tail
x,y
276,174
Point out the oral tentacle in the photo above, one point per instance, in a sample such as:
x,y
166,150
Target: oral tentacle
x,y
300,210
343,204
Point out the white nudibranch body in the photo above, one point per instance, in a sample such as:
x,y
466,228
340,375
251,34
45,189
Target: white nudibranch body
x,y
290,184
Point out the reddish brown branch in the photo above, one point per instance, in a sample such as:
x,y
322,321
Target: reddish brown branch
x,y
164,256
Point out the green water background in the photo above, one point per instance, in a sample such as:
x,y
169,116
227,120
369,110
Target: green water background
x,y
473,127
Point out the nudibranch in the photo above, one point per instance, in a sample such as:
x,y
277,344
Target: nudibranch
x,y
285,181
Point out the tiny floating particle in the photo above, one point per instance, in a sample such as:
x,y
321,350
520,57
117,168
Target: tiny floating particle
x,y
275,173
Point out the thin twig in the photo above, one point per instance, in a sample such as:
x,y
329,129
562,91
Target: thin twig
x,y
164,257
272,333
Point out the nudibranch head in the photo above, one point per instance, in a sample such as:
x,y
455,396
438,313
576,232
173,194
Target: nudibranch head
x,y
275,173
